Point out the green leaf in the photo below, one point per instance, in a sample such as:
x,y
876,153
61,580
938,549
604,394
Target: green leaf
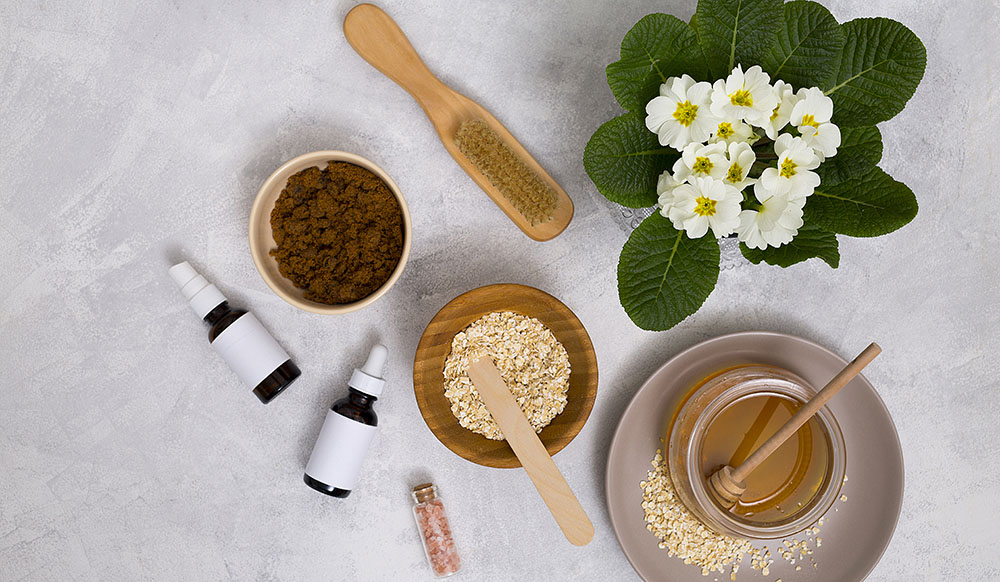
x,y
624,159
811,241
877,73
860,149
735,32
807,46
658,46
664,276
869,205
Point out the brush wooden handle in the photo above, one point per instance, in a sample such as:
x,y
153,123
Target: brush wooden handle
x,y
379,40
739,474
544,474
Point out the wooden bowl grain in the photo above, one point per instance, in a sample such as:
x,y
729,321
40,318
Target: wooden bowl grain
x,y
435,345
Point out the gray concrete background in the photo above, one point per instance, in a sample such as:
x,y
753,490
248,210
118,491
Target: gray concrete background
x,y
136,134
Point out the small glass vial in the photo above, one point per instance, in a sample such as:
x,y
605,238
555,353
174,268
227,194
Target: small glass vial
x,y
435,533
237,336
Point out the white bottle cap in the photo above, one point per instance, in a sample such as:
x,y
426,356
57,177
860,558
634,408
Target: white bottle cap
x,y
369,378
202,295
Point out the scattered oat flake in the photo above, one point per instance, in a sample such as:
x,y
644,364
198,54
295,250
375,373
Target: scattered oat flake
x,y
683,535
680,532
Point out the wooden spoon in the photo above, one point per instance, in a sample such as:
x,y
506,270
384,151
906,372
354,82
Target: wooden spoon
x,y
544,474
727,484
379,40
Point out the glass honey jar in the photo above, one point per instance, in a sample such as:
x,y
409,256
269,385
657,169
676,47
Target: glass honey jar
x,y
724,420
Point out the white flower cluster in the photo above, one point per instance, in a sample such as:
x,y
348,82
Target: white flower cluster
x,y
720,129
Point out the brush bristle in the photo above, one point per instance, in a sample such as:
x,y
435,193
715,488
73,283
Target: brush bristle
x,y
523,188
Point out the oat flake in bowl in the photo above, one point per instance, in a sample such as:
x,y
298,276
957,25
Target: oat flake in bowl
x,y
531,361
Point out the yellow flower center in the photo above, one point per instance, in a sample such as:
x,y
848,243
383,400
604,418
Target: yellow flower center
x,y
735,173
774,114
685,113
741,98
725,130
704,206
809,120
787,168
702,165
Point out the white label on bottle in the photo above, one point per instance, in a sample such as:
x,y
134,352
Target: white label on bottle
x,y
340,449
249,350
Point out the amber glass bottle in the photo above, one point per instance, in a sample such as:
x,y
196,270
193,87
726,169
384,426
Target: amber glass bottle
x,y
348,430
238,337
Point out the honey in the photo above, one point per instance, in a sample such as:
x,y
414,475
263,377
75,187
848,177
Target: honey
x,y
724,419
786,481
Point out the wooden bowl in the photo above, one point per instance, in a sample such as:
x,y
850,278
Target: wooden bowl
x,y
261,240
435,345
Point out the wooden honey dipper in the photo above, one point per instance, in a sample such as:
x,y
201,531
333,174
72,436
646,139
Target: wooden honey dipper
x,y
727,484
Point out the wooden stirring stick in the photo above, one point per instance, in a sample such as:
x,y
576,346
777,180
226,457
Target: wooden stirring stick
x,y
727,484
544,474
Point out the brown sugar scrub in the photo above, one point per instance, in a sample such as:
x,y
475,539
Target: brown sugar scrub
x,y
338,231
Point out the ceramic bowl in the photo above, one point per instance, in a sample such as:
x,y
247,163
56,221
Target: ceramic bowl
x,y
261,240
435,345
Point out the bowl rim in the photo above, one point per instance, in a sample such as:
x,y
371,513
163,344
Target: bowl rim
x,y
553,446
260,255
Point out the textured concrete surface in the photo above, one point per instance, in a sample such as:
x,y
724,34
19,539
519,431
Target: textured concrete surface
x,y
136,134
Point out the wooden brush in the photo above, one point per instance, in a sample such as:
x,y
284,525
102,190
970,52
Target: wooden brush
x,y
544,474
478,142
727,484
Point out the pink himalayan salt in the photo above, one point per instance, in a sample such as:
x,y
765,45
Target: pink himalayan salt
x,y
436,534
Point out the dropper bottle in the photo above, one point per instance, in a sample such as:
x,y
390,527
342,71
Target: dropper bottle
x,y
348,430
237,336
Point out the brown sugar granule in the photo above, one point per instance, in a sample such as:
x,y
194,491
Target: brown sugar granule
x,y
522,187
339,232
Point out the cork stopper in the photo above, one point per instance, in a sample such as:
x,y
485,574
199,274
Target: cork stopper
x,y
424,492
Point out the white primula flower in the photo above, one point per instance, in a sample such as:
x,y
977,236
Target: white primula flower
x,y
682,113
811,115
731,131
813,107
665,186
704,203
701,161
741,159
747,96
782,112
793,175
776,222
824,139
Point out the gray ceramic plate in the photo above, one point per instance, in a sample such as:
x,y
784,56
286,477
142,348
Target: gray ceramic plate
x,y
855,532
